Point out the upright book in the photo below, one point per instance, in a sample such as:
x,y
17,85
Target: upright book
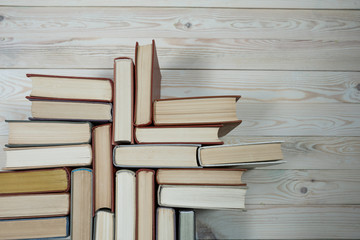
x,y
147,82
165,224
104,225
186,225
66,87
123,100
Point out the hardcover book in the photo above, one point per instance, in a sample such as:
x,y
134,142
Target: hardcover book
x,y
165,224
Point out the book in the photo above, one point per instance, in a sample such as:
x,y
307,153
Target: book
x,y
47,157
104,225
66,87
231,155
36,228
125,205
145,204
103,167
34,205
196,134
200,176
186,225
154,156
47,133
196,110
54,109
165,224
202,197
81,204
123,100
147,82
34,181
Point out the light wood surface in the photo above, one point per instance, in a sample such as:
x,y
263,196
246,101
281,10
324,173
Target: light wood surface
x,y
295,63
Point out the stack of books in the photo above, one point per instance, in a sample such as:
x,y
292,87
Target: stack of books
x,y
137,165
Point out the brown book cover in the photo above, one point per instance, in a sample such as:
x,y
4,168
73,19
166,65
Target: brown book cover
x,y
155,80
22,180
153,202
220,126
89,78
94,171
132,103
229,124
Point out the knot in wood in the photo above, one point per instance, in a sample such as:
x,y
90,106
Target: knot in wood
x,y
303,190
358,87
1,18
188,25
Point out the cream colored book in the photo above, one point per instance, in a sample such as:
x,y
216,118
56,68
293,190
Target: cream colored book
x,y
104,225
83,88
123,100
34,205
201,197
186,225
37,133
125,205
35,228
165,224
48,157
81,204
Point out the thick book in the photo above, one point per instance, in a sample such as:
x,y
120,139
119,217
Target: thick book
x,y
196,110
145,204
125,205
47,133
69,110
147,82
34,205
47,157
195,134
36,228
155,156
200,176
186,226
165,224
103,168
34,181
123,104
202,197
81,204
66,87
104,225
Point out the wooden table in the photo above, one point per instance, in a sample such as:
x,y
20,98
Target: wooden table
x,y
296,64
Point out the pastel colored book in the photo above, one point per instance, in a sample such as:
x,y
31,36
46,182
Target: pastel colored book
x,y
165,224
103,225
186,225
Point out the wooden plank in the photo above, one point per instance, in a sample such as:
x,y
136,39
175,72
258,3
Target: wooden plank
x,y
303,187
312,152
310,4
13,110
255,86
281,222
115,22
49,51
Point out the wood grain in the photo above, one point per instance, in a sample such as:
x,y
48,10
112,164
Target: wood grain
x,y
281,222
117,22
305,4
254,86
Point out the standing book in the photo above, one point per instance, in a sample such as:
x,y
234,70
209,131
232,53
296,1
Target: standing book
x,y
186,225
165,224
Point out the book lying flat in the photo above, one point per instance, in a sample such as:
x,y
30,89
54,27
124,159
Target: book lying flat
x,y
103,225
42,133
145,204
200,176
103,167
36,228
81,204
34,205
165,224
123,100
47,157
53,109
186,225
147,82
81,88
202,197
196,110
125,205
154,156
196,134
34,181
